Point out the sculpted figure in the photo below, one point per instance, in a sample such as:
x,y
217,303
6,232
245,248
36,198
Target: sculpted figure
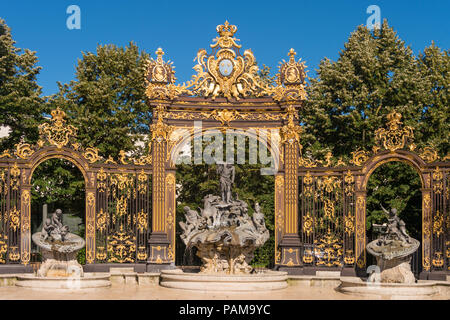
x,y
53,227
210,212
47,229
258,217
227,173
191,220
396,226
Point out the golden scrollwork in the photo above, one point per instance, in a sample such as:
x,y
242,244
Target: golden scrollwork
x,y
438,260
359,157
3,248
24,151
308,223
15,177
308,185
91,155
160,131
101,180
308,257
142,221
438,185
142,182
6,154
438,224
122,247
121,206
142,253
426,264
122,157
14,254
102,220
14,218
429,155
395,137
170,252
349,257
225,72
290,133
328,209
349,180
329,250
349,224
58,133
101,254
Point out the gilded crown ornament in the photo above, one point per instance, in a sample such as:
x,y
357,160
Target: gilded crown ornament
x,y
395,137
58,133
225,72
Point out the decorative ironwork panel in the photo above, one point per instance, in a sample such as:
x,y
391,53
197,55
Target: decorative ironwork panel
x,y
10,218
438,223
327,219
122,216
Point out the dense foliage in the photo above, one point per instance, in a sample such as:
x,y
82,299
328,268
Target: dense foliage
x,y
350,98
21,107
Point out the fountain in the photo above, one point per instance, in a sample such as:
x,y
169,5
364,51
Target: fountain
x,y
225,237
392,275
60,268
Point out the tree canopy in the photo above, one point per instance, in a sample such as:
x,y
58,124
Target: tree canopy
x,y
21,107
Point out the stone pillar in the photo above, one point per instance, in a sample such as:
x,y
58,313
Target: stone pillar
x,y
290,244
159,243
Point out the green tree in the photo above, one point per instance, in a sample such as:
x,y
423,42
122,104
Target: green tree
x,y
107,102
434,66
350,98
21,107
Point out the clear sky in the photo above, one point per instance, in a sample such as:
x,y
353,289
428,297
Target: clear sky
x,y
315,29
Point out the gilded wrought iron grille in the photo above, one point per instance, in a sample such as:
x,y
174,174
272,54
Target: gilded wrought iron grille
x,y
327,221
10,218
447,219
122,216
439,217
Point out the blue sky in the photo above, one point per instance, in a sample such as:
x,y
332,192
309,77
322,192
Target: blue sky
x,y
315,29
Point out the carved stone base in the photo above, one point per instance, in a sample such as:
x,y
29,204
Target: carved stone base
x,y
270,280
221,259
55,268
397,270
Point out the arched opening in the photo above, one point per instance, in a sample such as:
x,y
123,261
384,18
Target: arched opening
x,y
395,184
58,184
253,185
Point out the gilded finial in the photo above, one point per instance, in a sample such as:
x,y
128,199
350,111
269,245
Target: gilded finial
x,y
292,55
226,30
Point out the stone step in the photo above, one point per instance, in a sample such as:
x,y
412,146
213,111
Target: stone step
x,y
121,270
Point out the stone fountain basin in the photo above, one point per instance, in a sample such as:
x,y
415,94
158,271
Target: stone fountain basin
x,y
269,280
394,250
88,281
403,291
72,244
